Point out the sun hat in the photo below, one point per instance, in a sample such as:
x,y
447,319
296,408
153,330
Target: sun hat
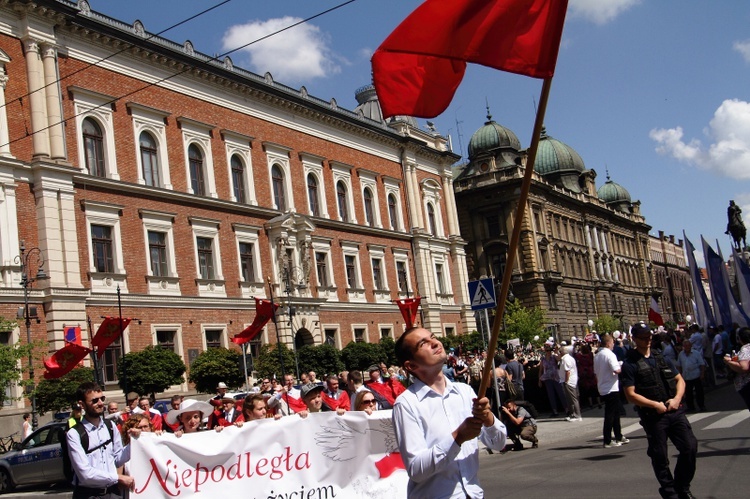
x,y
189,405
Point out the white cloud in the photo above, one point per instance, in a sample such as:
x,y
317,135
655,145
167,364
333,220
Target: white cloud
x,y
729,151
600,11
293,56
743,48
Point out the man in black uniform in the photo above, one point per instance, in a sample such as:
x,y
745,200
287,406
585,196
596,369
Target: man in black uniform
x,y
653,384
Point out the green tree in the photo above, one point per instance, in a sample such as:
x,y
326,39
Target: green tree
x,y
470,342
215,365
151,370
522,322
55,395
11,371
360,355
267,363
606,324
323,359
389,349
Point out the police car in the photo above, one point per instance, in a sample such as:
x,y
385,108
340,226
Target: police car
x,y
36,460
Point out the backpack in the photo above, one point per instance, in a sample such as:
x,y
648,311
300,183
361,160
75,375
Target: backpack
x,y
84,436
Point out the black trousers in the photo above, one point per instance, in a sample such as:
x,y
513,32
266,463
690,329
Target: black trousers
x,y
697,386
675,426
612,408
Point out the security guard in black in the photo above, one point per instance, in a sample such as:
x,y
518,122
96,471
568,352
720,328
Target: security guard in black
x,y
653,383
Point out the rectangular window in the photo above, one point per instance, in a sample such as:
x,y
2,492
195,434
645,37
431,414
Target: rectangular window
x,y
246,262
111,357
101,245
330,337
385,332
377,273
493,226
439,278
321,268
403,283
359,335
351,271
157,248
450,331
166,339
205,257
213,338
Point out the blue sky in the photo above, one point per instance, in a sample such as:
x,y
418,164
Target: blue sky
x,y
654,91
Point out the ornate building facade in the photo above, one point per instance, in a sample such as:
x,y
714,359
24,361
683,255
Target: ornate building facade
x,y
583,251
185,186
670,277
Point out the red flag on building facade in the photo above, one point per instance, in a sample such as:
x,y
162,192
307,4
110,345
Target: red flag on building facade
x,y
108,331
654,313
64,360
72,334
408,308
264,310
418,68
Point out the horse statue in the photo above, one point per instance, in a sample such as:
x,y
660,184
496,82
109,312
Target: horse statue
x,y
736,227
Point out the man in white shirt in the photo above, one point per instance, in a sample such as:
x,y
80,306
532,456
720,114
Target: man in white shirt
x,y
569,375
607,369
437,423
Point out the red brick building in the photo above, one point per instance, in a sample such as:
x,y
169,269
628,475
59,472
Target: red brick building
x,y
138,164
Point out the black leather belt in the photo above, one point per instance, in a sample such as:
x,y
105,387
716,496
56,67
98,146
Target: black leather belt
x,y
89,491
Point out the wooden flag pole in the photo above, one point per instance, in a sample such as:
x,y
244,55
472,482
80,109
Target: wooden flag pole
x,y
510,259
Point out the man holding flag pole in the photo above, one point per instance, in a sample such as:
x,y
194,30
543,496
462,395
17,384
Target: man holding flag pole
x,y
416,71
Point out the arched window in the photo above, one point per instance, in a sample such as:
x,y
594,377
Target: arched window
x,y
277,181
149,159
431,219
341,198
195,157
238,178
312,195
93,145
369,214
392,206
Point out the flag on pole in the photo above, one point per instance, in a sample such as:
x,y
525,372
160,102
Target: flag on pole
x,y
64,360
72,334
108,331
408,308
736,312
718,289
654,313
742,271
264,310
418,68
703,314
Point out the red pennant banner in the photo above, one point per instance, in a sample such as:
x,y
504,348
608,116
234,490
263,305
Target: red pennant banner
x,y
64,360
408,308
108,332
264,310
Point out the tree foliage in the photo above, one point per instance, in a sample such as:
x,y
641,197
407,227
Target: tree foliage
x,y
360,355
151,370
606,324
215,365
470,342
55,395
323,359
267,364
522,322
389,349
11,371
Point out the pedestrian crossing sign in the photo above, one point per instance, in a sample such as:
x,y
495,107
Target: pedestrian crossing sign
x,y
482,293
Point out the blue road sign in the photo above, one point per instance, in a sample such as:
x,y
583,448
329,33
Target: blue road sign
x,y
482,294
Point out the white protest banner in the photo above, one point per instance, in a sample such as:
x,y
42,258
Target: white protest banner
x,y
322,456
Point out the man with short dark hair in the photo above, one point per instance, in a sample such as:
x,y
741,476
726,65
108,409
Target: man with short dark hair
x,y
385,390
333,397
151,414
95,467
653,384
437,423
607,370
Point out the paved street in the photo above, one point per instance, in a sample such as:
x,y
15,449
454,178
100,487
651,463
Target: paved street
x,y
571,463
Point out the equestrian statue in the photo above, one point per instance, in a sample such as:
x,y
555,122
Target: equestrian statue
x,y
735,226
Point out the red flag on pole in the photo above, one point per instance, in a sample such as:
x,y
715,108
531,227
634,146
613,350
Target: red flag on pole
x,y
417,69
654,313
108,331
64,360
264,310
408,308
72,334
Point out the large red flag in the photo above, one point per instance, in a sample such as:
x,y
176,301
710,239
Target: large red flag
x,y
418,67
108,331
654,313
408,308
64,360
264,310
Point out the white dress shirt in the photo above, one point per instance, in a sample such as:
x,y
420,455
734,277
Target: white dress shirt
x,y
99,468
437,466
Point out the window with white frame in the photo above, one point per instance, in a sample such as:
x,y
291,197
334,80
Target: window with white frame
x,y
379,277
431,199
440,278
330,336
207,257
377,273
321,269
369,184
324,269
443,288
386,331
96,142
161,264
106,264
342,181
359,333
313,195
151,146
393,199
352,271
251,281
214,336
280,176
316,196
239,161
168,337
401,259
199,159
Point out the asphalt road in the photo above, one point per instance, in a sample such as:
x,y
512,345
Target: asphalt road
x,y
571,462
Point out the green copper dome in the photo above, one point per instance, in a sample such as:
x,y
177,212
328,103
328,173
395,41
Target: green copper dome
x,y
554,156
492,136
612,192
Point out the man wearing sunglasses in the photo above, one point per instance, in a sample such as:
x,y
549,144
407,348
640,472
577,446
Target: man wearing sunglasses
x,y
95,464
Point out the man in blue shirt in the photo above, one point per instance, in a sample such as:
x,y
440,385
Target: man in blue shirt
x,y
693,370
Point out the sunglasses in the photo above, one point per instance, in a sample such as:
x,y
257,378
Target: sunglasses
x,y
369,401
96,400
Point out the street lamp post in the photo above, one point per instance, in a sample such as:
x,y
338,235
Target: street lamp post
x,y
27,257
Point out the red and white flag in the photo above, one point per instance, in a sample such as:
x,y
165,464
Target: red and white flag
x,y
654,313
